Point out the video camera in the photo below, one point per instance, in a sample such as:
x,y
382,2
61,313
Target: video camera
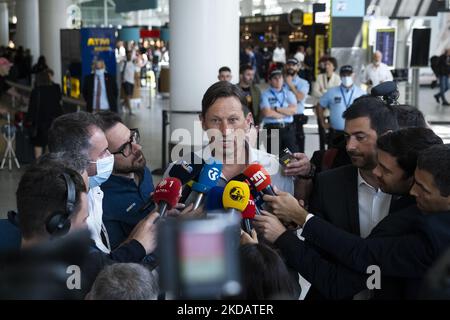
x,y
387,91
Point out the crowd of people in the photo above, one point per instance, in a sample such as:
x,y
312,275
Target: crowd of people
x,y
377,199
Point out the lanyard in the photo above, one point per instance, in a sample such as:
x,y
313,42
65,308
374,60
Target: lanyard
x,y
276,97
345,100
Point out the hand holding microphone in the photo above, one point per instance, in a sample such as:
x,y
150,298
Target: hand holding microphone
x,y
286,207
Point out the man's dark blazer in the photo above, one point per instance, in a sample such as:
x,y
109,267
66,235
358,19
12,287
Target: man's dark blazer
x,y
335,198
111,91
404,245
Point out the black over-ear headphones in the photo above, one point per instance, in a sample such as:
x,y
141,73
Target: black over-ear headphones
x,y
58,223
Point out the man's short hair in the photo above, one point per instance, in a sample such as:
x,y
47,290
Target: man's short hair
x,y
382,118
75,161
224,69
125,281
406,144
42,191
435,161
223,89
72,132
108,119
245,67
409,117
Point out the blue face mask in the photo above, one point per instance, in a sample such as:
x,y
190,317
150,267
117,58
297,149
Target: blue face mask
x,y
99,71
104,170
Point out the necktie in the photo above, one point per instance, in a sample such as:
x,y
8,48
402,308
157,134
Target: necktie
x,y
98,94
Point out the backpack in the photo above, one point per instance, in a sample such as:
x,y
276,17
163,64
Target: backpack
x,y
434,62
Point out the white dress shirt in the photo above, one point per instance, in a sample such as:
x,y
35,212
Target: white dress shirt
x,y
377,74
373,206
95,219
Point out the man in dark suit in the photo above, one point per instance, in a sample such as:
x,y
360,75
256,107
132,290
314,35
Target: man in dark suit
x,y
403,246
100,89
349,197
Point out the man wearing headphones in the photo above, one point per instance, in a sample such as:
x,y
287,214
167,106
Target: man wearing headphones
x,y
51,202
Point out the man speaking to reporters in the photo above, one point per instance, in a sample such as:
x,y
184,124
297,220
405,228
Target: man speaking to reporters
x,y
227,121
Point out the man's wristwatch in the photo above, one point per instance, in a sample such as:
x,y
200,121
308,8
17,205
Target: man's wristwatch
x,y
311,173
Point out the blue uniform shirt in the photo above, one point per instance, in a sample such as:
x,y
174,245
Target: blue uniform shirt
x,y
122,200
281,99
338,99
302,86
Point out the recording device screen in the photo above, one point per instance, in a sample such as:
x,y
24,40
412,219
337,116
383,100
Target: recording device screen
x,y
286,157
199,258
202,257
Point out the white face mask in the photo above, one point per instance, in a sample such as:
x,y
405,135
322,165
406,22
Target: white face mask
x,y
347,81
104,170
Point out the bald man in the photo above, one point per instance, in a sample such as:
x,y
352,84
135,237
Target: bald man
x,y
376,72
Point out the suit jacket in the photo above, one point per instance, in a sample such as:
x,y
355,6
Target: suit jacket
x,y
335,198
111,91
401,253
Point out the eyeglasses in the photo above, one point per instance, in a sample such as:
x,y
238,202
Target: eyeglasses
x,y
126,148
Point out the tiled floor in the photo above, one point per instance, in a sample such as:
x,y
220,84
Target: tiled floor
x,y
148,120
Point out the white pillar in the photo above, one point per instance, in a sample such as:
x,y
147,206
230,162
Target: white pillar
x,y
27,30
4,24
204,36
52,18
247,8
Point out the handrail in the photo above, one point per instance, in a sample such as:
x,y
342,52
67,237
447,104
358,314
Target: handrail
x,y
28,89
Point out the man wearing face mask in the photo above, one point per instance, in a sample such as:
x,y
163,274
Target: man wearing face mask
x,y
100,89
337,100
376,72
127,190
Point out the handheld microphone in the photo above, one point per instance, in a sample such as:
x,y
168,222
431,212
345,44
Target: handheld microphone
x,y
248,215
257,197
214,199
167,194
208,178
185,171
260,178
235,196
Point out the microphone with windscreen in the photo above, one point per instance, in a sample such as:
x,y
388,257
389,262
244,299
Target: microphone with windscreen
x,y
260,178
248,215
235,196
208,178
185,171
257,197
167,194
214,202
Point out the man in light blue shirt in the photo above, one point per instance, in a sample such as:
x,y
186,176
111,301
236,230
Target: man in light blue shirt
x,y
300,88
337,100
278,105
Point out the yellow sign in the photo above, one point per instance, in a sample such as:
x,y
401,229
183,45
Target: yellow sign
x,y
98,42
72,88
320,51
307,19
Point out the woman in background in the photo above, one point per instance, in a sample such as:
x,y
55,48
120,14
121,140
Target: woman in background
x,y
44,107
